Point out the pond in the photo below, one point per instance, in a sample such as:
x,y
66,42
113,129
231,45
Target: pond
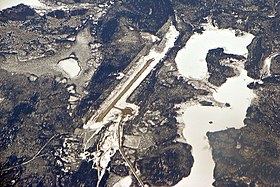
x,y
70,66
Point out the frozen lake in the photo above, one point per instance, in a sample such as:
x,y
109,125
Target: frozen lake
x,y
201,119
9,3
70,66
191,59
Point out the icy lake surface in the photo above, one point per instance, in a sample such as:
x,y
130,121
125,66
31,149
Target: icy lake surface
x,y
201,119
191,59
9,3
70,66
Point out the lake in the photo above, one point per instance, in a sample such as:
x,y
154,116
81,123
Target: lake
x,y
9,3
199,119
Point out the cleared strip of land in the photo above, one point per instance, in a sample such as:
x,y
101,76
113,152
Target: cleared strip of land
x,y
121,94
140,67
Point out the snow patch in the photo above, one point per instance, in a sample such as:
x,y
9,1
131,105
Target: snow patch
x,y
119,76
265,72
149,36
70,66
10,3
124,182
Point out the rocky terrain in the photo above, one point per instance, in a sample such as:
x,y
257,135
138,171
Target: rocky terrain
x,y
218,72
42,111
249,156
35,130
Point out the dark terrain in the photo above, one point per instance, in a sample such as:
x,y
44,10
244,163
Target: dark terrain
x,y
41,142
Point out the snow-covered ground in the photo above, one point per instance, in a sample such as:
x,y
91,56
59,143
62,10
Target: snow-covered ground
x,y
266,66
70,66
125,182
201,119
9,3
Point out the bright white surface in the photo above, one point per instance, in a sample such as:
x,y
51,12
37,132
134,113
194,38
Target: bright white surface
x,y
266,66
119,76
191,59
70,66
197,119
125,182
9,3
191,63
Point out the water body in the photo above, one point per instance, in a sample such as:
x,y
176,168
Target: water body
x,y
70,66
191,59
201,119
9,3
